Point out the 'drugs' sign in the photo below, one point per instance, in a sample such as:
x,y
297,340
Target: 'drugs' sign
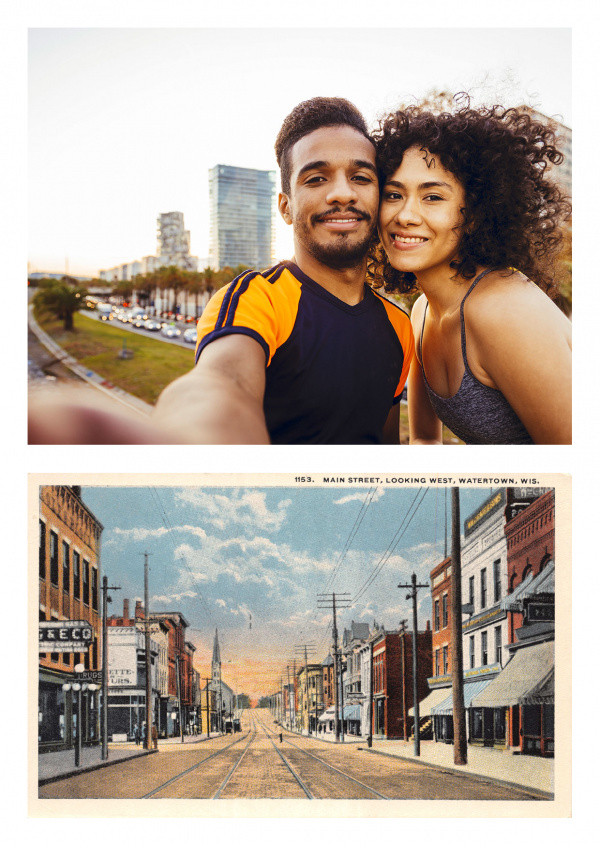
x,y
65,636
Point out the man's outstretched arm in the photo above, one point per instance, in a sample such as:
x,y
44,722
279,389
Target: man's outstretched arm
x,y
221,400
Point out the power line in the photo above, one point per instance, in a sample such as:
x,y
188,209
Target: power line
x,y
393,543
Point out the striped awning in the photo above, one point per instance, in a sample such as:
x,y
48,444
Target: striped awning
x,y
434,698
527,679
352,712
470,691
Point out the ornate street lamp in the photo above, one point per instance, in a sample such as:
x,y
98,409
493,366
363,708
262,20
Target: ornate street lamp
x,y
78,687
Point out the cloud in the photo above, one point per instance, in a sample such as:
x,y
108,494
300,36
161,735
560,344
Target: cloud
x,y
173,597
242,507
360,496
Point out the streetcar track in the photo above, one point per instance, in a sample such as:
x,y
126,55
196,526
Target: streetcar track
x,y
324,763
217,794
195,767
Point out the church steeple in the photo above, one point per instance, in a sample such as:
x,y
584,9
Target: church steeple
x,y
216,659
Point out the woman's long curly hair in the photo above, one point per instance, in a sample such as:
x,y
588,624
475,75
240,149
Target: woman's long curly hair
x,y
513,212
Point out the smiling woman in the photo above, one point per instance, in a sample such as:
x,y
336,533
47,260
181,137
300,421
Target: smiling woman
x,y
470,215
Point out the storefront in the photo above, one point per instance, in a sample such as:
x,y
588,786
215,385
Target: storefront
x,y
57,713
443,715
427,719
524,694
352,719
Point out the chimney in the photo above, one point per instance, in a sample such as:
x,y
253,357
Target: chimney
x,y
139,609
125,609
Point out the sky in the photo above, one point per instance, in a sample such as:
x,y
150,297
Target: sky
x,y
250,561
124,124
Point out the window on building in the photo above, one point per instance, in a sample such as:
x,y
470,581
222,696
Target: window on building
x,y
445,610
76,575
472,591
86,581
484,648
497,586
94,588
437,662
436,615
484,587
472,651
42,550
66,550
445,659
54,558
498,644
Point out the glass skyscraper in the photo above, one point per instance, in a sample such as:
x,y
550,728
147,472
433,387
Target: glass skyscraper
x,y
242,217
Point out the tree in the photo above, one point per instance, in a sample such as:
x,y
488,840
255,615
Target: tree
x,y
62,297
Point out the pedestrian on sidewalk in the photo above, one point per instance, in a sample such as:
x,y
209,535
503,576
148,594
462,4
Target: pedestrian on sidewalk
x,y
144,734
154,736
136,734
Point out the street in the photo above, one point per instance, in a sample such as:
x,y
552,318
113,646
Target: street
x,y
256,765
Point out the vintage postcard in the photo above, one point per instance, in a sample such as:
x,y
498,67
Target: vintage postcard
x,y
272,639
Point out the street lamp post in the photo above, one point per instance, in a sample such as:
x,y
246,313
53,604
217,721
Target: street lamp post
x,y
78,687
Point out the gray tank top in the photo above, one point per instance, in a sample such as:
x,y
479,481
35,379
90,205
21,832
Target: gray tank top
x,y
477,414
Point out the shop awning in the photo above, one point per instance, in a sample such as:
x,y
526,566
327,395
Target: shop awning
x,y
470,690
527,679
352,712
542,583
433,698
329,714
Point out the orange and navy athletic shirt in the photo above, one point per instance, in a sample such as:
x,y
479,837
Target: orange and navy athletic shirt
x,y
333,370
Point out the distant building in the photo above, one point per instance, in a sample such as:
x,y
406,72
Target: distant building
x,y
242,217
562,172
173,248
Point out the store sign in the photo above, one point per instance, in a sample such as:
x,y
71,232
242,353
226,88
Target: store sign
x,y
538,612
65,636
490,506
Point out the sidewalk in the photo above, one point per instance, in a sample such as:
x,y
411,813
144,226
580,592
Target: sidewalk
x,y
536,774
492,764
53,766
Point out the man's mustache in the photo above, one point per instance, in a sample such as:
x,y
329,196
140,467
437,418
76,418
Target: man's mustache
x,y
363,215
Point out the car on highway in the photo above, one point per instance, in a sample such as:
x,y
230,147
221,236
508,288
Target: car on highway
x,y
190,336
139,321
153,325
171,331
106,315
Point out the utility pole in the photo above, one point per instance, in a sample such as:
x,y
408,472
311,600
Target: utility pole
x,y
305,647
105,600
179,696
342,602
207,709
458,711
148,737
403,626
289,700
414,587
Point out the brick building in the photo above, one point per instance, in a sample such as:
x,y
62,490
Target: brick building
x,y
523,693
69,579
392,693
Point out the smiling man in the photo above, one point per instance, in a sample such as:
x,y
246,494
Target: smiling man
x,y
305,352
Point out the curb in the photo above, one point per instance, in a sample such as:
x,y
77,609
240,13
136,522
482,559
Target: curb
x,y
92,767
541,794
84,373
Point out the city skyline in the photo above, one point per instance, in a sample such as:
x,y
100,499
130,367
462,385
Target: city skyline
x,y
240,559
103,105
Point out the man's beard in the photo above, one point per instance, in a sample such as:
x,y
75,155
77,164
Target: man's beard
x,y
341,254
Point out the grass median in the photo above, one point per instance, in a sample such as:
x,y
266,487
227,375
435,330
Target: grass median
x,y
96,345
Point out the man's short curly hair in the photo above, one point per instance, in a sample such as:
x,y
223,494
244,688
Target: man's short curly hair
x,y
513,212
308,116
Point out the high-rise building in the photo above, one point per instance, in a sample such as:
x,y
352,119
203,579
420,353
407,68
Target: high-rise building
x,y
242,217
